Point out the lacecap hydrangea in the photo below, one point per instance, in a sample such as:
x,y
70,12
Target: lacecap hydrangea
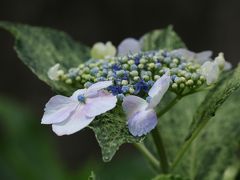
x,y
126,75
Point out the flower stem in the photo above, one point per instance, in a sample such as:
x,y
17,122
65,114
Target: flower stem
x,y
149,156
161,150
187,144
158,138
170,105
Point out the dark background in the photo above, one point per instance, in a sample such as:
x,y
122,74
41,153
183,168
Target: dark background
x,y
202,24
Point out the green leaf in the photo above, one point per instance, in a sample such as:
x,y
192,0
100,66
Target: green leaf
x,y
111,132
214,150
41,48
162,39
214,99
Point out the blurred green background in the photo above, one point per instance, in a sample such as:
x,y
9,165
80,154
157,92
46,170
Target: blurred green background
x,y
28,152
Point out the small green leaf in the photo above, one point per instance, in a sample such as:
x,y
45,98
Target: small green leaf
x,y
41,48
111,132
162,39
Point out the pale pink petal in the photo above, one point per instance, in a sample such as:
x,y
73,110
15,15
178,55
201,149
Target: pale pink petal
x,y
132,104
58,109
74,123
142,122
129,45
92,90
100,104
158,89
77,93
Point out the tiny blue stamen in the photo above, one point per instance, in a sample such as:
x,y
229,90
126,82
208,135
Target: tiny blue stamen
x,y
81,98
141,86
115,89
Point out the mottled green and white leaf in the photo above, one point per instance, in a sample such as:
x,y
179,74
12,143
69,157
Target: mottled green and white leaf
x,y
41,48
161,39
111,132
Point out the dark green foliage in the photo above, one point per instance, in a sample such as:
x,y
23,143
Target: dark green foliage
x,y
162,39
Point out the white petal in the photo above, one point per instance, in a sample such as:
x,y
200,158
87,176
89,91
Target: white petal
x,y
53,72
189,55
210,70
142,122
77,93
227,66
97,86
203,56
74,123
158,89
132,104
200,57
128,45
100,104
58,109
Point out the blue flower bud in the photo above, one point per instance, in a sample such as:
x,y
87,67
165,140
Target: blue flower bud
x,y
133,67
125,89
120,97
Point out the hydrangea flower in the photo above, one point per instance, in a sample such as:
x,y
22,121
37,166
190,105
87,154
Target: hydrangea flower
x,y
140,113
101,50
129,45
71,114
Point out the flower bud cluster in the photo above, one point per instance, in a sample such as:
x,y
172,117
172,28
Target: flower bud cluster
x,y
136,73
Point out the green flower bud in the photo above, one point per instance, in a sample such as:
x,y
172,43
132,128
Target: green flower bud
x,y
189,82
136,78
125,66
101,50
156,77
68,81
175,60
131,90
130,62
78,78
151,65
134,73
124,82
146,77
141,66
143,61
174,85
182,85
